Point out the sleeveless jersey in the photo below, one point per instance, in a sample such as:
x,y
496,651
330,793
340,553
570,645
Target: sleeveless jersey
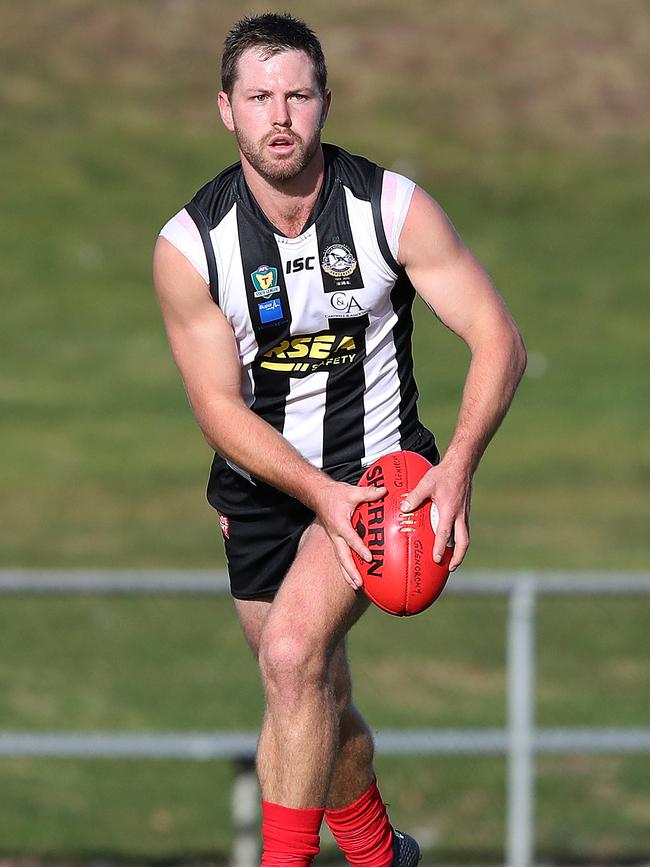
x,y
322,321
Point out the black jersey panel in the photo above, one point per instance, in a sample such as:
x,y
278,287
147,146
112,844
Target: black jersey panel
x,y
365,180
217,197
268,306
343,424
340,269
200,222
355,172
402,297
207,208
386,252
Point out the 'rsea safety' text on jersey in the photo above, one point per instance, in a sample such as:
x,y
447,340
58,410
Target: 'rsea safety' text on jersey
x,y
322,321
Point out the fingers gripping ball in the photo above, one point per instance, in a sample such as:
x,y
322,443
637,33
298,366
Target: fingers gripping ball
x,y
402,578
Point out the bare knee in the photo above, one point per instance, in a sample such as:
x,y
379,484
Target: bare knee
x,y
291,664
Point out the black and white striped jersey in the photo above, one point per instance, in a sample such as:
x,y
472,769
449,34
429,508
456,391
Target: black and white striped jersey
x,y
322,321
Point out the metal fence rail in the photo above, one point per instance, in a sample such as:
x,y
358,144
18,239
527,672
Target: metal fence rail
x,y
213,582
521,740
204,746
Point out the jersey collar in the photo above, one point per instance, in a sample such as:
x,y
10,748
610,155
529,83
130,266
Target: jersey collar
x,y
249,201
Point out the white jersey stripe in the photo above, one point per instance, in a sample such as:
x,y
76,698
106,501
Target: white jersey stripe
x,y
304,416
382,394
305,404
381,403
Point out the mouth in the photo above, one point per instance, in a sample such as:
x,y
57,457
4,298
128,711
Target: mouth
x,y
281,144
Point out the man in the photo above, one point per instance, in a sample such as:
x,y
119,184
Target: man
x,y
286,287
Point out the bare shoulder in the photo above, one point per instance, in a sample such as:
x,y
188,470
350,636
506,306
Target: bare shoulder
x,y
428,232
178,284
195,327
447,275
188,309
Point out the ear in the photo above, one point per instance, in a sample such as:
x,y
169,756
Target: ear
x,y
327,101
225,110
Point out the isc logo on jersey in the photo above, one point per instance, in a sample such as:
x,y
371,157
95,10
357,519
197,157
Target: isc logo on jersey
x,y
308,353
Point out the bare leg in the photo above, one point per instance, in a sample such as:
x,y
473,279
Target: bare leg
x,y
310,614
353,771
315,748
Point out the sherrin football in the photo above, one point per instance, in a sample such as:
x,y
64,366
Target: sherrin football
x,y
402,577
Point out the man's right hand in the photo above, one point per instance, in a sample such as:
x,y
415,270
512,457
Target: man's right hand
x,y
334,505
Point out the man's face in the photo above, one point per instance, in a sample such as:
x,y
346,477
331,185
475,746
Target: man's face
x,y
276,112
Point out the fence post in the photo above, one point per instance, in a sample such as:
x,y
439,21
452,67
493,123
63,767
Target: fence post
x,y
521,680
245,816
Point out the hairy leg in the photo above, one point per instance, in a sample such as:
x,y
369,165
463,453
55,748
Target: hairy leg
x,y
252,614
353,772
311,613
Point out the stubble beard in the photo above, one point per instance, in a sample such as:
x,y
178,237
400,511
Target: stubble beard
x,y
280,167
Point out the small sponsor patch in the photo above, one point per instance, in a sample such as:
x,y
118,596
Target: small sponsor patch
x,y
346,305
338,260
270,311
265,281
224,523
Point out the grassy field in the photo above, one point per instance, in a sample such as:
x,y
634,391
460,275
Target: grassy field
x,y
180,664
529,123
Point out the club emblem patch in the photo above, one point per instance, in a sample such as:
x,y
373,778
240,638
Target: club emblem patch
x,y
338,261
265,281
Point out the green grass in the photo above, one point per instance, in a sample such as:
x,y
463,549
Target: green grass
x,y
528,123
157,664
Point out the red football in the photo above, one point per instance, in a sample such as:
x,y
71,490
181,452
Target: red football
x,y
402,578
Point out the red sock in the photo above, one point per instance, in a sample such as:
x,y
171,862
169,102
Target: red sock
x,y
290,836
362,830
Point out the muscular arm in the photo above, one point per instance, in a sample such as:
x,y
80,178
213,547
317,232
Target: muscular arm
x,y
452,282
205,352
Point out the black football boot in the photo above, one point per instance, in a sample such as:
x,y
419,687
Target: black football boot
x,y
406,852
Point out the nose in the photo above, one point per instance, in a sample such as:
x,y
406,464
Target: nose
x,y
280,112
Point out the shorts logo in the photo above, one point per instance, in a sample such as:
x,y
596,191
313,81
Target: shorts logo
x,y
338,261
345,305
303,355
224,523
265,281
270,311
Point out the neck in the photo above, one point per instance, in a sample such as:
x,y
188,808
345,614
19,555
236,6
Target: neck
x,y
287,203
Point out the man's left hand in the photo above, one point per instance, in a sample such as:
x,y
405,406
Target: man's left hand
x,y
450,488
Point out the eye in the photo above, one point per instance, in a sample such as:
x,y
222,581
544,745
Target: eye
x,y
259,97
299,97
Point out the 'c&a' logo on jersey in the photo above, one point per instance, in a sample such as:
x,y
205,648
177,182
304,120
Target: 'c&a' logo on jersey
x,y
308,353
265,281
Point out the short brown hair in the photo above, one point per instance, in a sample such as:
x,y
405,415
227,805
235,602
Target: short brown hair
x,y
273,32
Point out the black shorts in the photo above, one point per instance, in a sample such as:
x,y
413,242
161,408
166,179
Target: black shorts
x,y
262,526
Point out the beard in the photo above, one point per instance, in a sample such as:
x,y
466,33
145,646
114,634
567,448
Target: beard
x,y
278,167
